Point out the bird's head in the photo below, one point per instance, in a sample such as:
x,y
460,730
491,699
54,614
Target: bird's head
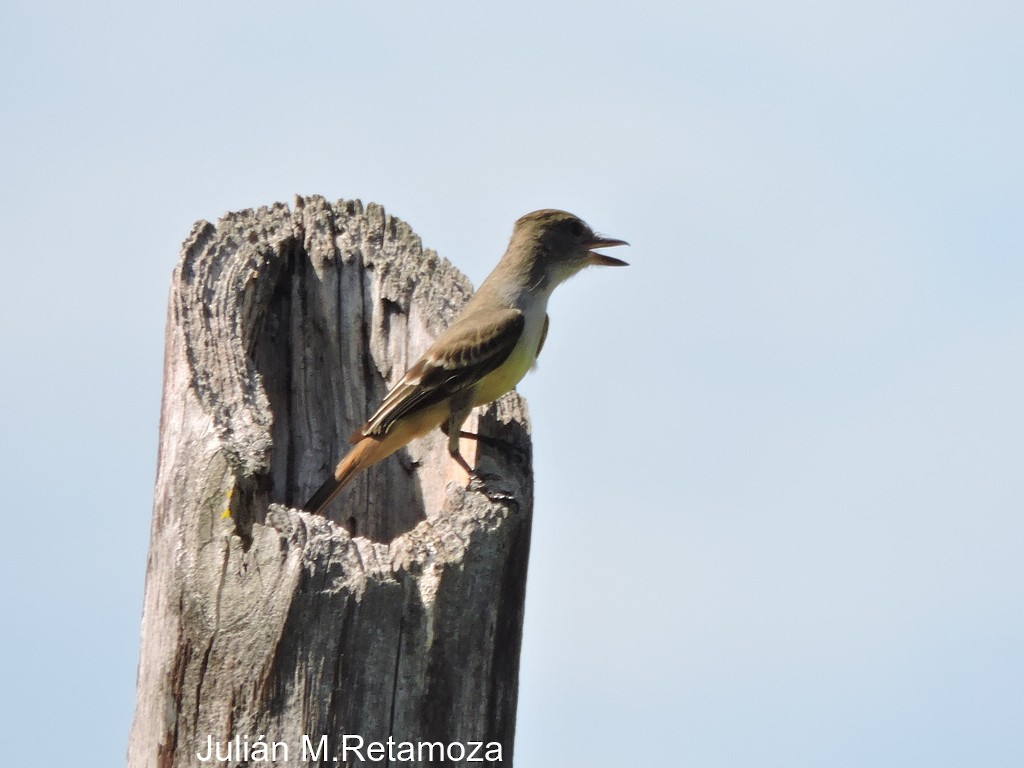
x,y
559,245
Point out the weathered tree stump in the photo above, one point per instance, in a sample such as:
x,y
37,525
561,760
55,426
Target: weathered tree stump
x,y
401,616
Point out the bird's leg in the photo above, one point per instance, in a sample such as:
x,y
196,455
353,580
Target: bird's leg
x,y
453,428
517,453
458,412
461,460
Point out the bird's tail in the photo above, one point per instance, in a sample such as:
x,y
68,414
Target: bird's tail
x,y
367,451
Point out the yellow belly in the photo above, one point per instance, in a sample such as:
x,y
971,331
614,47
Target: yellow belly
x,y
505,377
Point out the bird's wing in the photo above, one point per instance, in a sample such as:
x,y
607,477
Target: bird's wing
x,y
543,336
470,349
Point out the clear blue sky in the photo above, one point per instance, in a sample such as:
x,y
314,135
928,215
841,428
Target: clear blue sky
x,y
779,460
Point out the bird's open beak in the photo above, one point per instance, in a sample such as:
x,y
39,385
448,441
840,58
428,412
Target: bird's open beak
x,y
599,259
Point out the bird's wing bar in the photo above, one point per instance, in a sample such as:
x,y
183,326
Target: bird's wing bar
x,y
470,349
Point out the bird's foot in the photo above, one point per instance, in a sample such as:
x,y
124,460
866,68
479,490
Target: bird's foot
x,y
483,483
495,491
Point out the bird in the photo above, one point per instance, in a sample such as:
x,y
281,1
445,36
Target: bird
x,y
484,353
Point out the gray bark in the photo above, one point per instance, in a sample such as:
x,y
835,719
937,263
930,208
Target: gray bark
x,y
399,616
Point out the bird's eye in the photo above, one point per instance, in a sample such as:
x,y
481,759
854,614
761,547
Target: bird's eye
x,y
576,228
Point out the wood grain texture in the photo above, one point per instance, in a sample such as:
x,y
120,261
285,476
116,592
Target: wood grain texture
x,y
402,615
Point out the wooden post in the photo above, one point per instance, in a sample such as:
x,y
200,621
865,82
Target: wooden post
x,y
400,617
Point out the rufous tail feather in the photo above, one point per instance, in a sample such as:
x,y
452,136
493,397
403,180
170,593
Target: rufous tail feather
x,y
367,451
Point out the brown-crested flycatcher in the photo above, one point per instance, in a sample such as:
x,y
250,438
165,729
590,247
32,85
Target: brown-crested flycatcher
x,y
485,352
